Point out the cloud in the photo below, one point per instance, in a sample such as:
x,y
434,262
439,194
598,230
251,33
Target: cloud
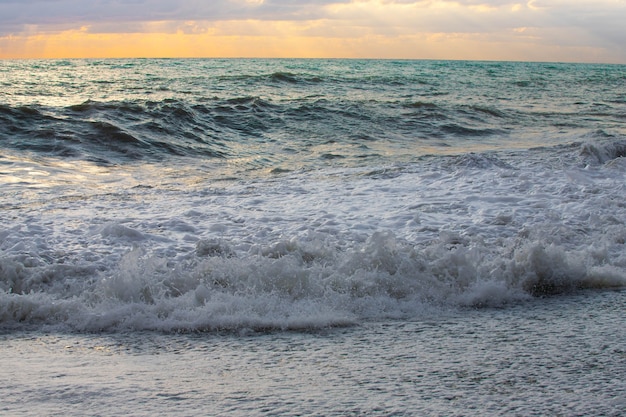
x,y
15,13
532,28
438,15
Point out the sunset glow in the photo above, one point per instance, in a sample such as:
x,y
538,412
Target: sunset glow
x,y
586,31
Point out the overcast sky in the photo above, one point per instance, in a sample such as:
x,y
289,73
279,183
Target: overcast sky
x,y
542,30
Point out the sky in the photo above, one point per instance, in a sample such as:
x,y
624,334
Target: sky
x,y
511,30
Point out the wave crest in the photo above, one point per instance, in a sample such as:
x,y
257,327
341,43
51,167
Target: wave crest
x,y
292,284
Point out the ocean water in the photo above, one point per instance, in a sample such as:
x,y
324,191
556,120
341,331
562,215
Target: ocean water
x,y
312,237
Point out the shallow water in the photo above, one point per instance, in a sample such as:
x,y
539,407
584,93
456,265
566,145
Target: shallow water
x,y
557,356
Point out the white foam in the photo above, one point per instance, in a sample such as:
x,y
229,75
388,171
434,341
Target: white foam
x,y
313,249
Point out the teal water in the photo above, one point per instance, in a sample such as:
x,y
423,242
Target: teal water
x,y
293,114
312,237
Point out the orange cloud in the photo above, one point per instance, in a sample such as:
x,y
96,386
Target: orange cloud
x,y
285,40
83,44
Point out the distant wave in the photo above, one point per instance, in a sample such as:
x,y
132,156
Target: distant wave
x,y
115,132
247,112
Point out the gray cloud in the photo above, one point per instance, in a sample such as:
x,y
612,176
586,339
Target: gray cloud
x,y
42,12
15,14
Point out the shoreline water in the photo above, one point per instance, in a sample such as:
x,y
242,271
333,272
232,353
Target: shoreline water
x,y
562,355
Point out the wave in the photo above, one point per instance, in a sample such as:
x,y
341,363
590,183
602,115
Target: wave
x,y
112,132
118,132
299,283
603,152
319,249
290,286
201,195
130,131
278,77
251,128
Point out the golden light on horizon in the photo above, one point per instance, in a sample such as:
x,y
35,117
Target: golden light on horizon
x,y
438,29
82,44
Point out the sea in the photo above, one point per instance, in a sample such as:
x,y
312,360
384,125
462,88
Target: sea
x,y
291,237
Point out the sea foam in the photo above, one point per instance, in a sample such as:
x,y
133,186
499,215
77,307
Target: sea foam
x,y
319,196
306,252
